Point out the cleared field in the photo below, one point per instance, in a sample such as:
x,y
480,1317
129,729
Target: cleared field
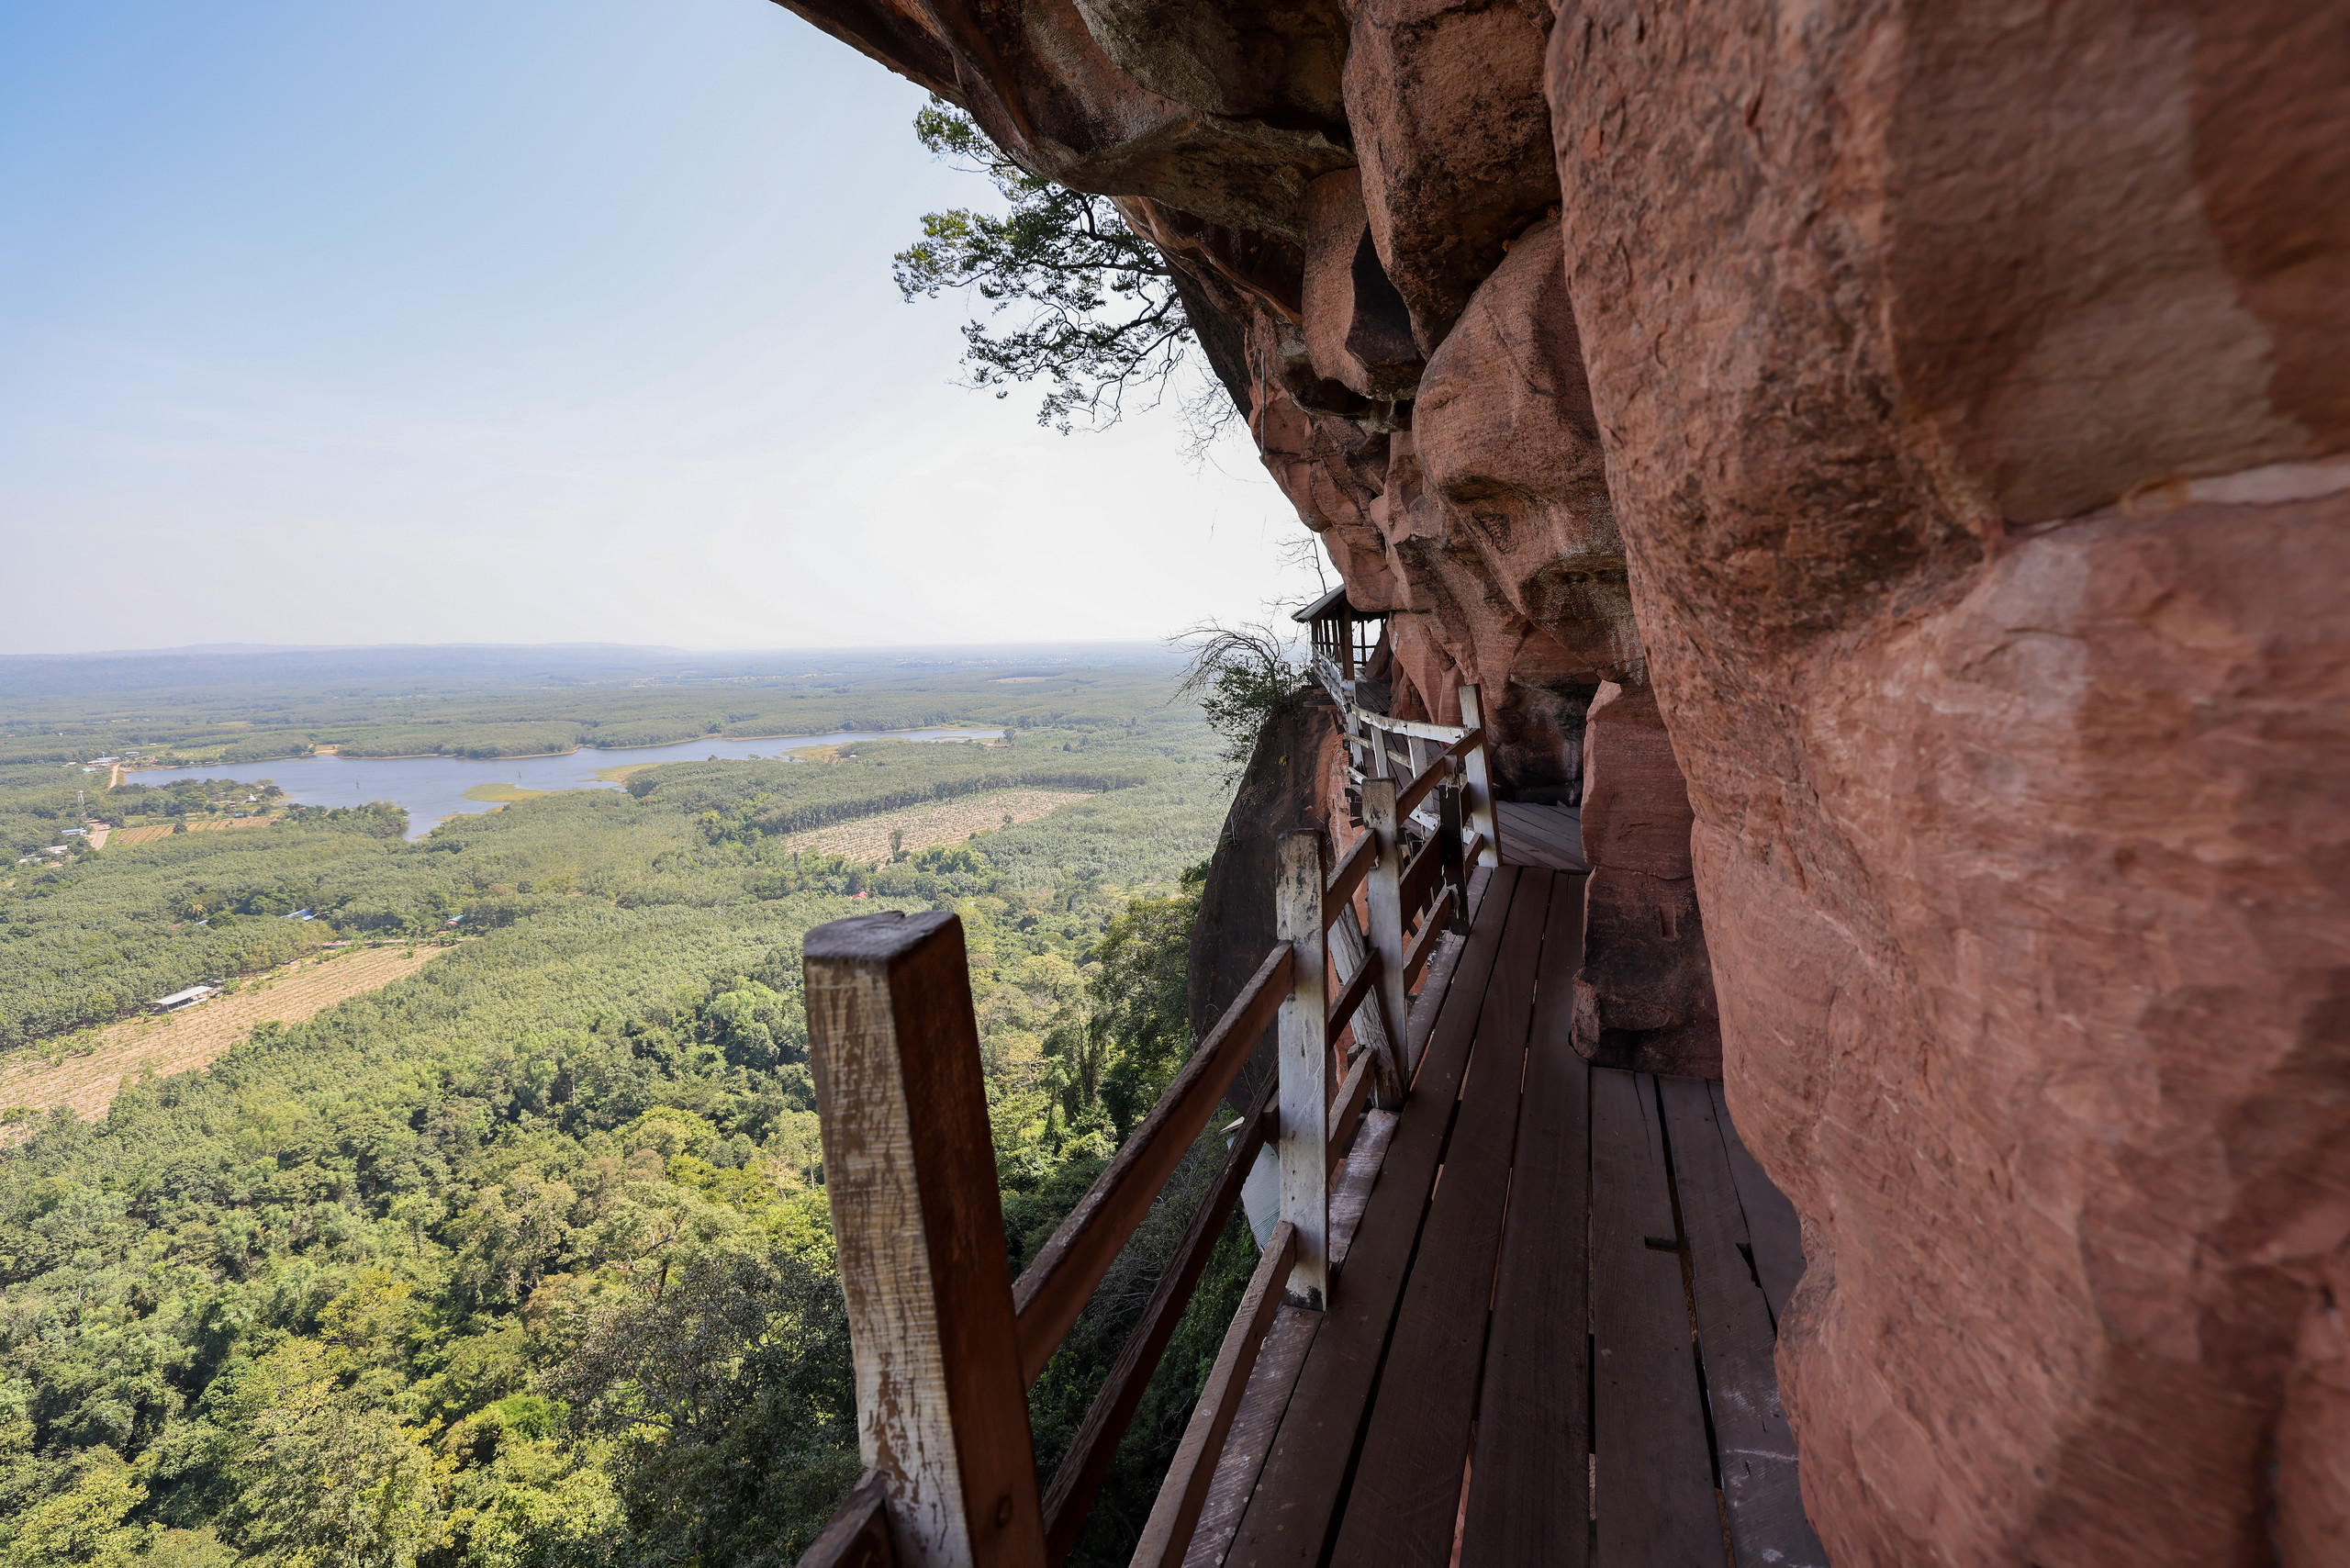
x,y
163,830
183,1040
504,794
925,827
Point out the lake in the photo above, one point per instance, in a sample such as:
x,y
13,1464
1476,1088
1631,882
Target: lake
x,y
433,788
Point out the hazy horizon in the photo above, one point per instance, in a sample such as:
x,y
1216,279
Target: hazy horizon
x,y
684,650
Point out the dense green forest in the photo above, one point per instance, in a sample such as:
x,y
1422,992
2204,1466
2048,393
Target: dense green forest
x,y
524,1257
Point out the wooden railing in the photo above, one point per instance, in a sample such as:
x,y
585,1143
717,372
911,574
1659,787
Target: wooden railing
x,y
1379,746
945,1342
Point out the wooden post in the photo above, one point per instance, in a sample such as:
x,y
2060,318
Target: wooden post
x,y
1450,839
910,1168
1479,764
1305,1068
1384,894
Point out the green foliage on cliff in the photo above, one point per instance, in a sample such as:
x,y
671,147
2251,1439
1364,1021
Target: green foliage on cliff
x,y
1103,320
1242,677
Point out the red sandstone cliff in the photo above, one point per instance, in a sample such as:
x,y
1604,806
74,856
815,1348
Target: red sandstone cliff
x,y
1938,413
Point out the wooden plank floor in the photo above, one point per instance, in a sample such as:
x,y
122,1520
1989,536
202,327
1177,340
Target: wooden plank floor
x,y
1551,1338
1547,837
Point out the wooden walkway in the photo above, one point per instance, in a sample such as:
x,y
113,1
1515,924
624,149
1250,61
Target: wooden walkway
x,y
1549,1337
1547,837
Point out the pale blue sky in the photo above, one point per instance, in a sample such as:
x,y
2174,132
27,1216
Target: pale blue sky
x,y
521,322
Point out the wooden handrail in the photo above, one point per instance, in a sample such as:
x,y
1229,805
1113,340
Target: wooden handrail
x,y
1424,942
1340,891
1417,727
1168,1534
1450,822
1053,1289
1474,848
1087,1462
1343,1010
1408,799
857,1535
1477,770
1347,951
1385,936
1412,890
1433,774
1346,1111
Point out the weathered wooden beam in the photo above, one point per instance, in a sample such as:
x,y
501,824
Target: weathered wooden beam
x,y
1451,837
1478,764
1306,1064
1412,887
1448,734
1384,897
1168,1535
1055,1286
1529,1497
1401,1509
1655,1485
1288,1516
1347,957
910,1171
1340,893
1350,997
1438,766
1079,1477
1346,1110
1432,930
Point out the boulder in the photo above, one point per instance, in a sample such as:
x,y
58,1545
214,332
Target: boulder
x,y
1953,370
1445,100
1356,326
1507,439
1044,87
1644,997
1247,59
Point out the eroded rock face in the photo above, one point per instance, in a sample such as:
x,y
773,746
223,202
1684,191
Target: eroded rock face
x,y
1278,62
1507,441
2017,821
1445,99
1939,412
1356,326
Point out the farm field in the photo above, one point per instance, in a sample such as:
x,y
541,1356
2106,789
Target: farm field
x,y
200,1035
867,839
163,830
